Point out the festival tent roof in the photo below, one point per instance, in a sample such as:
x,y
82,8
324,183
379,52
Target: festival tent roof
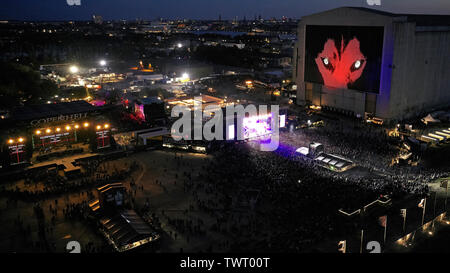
x,y
303,150
51,110
429,119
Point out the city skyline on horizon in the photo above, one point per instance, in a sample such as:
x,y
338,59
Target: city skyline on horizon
x,y
59,10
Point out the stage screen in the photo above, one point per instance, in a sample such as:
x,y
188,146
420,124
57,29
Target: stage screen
x,y
230,132
257,126
282,121
344,57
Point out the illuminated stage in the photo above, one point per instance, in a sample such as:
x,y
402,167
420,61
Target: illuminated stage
x,y
257,127
44,132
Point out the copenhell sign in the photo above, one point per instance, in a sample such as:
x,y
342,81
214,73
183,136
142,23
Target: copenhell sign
x,y
38,122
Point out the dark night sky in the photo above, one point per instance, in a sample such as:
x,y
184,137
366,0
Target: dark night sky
x,y
198,9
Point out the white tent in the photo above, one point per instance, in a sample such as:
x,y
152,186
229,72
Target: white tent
x,y
429,119
303,151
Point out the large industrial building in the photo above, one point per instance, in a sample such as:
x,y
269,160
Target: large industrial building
x,y
362,62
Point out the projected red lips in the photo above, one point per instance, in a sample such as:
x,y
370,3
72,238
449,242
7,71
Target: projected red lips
x,y
339,68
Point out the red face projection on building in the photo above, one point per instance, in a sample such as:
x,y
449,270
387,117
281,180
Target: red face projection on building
x,y
343,66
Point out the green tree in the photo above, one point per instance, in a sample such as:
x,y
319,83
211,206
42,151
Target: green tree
x,y
22,83
155,92
78,92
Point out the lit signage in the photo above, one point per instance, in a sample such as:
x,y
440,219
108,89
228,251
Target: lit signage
x,y
59,118
103,140
17,154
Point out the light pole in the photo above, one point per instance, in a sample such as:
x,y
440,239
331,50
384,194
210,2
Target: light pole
x,y
424,208
362,239
102,64
446,195
75,132
404,212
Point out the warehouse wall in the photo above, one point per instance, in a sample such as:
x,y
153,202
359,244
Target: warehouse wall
x,y
421,73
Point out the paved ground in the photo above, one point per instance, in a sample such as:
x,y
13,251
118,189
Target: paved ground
x,y
12,240
168,196
161,174
20,214
157,174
